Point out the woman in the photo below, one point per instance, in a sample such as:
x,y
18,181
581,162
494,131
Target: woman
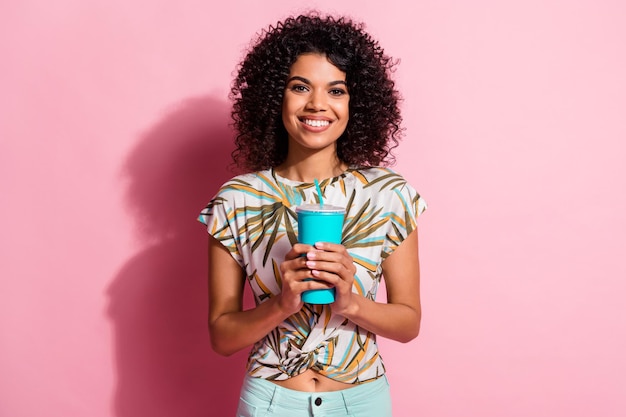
x,y
313,99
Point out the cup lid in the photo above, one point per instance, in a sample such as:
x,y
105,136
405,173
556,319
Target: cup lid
x,y
317,208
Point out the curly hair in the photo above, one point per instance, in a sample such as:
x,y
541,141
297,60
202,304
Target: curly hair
x,y
373,128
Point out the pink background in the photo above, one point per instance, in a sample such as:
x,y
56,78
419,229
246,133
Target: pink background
x,y
113,135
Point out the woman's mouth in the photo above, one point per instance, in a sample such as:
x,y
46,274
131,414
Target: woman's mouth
x,y
315,122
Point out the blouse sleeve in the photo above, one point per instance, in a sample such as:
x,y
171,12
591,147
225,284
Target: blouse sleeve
x,y
405,206
220,218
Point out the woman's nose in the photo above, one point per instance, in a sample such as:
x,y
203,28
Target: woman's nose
x,y
317,101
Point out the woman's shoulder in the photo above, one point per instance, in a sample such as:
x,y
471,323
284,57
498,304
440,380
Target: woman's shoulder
x,y
389,187
381,178
250,180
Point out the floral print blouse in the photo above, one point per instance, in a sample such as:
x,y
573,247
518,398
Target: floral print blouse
x,y
253,215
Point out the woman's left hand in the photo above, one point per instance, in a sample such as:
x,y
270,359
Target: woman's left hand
x,y
331,263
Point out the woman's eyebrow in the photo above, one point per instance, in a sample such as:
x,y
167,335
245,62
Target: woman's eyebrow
x,y
298,78
307,82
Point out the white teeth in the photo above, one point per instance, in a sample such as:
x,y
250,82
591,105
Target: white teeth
x,y
316,123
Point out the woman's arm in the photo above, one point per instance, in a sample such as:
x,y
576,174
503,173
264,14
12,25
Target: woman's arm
x,y
399,318
232,328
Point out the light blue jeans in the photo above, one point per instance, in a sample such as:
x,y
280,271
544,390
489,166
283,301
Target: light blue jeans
x,y
261,398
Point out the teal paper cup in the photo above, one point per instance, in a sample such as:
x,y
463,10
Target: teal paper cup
x,y
318,223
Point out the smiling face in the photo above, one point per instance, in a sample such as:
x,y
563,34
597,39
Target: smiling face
x,y
315,105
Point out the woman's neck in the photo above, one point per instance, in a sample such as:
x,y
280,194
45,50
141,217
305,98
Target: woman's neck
x,y
311,168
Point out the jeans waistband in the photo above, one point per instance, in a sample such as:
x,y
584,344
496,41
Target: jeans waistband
x,y
300,400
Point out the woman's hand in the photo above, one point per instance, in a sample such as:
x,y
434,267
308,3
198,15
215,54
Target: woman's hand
x,y
330,263
297,277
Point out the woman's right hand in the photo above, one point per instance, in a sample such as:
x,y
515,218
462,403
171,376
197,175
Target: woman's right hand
x,y
297,278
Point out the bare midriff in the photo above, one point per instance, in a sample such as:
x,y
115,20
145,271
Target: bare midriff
x,y
311,381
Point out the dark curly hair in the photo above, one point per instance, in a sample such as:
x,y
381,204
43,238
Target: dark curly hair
x,y
373,128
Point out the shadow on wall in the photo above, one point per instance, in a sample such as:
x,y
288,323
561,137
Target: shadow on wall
x,y
158,301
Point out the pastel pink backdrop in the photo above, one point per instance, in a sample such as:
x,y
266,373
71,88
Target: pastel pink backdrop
x,y
114,133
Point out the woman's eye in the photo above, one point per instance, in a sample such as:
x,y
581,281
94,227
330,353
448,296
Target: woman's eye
x,y
299,88
337,92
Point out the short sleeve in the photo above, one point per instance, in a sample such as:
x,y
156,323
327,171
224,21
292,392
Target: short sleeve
x,y
221,222
405,206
